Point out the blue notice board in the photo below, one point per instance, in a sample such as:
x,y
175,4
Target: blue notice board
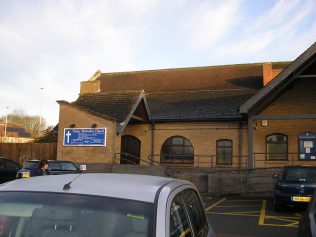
x,y
85,137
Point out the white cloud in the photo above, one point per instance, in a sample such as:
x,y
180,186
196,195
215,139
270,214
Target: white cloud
x,y
211,21
56,44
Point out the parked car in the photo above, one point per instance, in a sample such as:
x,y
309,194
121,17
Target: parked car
x,y
307,225
8,169
54,167
98,205
295,186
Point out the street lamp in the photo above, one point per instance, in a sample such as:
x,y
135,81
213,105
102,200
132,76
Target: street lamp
x,y
6,123
40,116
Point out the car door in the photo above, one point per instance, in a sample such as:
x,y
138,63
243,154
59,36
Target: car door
x,y
196,212
179,224
2,171
9,170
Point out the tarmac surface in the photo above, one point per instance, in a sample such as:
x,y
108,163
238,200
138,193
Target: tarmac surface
x,y
254,216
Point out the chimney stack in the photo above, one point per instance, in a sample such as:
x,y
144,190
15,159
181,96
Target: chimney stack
x,y
269,73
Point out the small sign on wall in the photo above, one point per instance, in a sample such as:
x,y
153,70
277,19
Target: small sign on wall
x,y
85,137
264,123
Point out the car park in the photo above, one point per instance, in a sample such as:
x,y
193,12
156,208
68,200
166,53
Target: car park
x,y
99,205
8,169
55,167
295,186
307,225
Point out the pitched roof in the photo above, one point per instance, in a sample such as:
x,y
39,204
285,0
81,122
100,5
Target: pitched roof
x,y
117,105
208,105
187,79
276,86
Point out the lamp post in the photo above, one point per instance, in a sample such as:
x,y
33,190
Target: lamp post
x,y
6,123
40,116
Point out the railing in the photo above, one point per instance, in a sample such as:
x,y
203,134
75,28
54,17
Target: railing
x,y
237,162
168,171
260,180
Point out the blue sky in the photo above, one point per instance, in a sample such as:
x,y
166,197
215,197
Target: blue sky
x,y
56,44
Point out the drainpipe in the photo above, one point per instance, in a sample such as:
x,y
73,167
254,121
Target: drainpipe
x,y
250,143
240,138
152,142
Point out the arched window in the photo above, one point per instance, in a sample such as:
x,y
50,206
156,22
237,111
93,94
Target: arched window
x,y
224,151
178,150
277,147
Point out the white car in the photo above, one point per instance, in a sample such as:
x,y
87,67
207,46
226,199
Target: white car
x,y
101,205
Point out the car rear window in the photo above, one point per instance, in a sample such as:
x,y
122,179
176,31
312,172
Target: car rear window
x,y
300,174
30,164
52,214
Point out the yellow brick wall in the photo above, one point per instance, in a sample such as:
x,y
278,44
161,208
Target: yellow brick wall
x,y
298,99
202,136
69,115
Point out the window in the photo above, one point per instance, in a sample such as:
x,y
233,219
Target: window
x,y
11,165
224,150
177,150
179,223
68,166
277,147
196,212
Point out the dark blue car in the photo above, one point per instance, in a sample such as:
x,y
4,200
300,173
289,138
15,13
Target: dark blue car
x,y
55,167
295,186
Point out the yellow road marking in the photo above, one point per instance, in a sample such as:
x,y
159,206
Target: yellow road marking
x,y
282,217
245,200
215,204
242,206
263,212
255,213
291,221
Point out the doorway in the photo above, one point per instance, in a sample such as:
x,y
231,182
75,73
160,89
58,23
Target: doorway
x,y
130,150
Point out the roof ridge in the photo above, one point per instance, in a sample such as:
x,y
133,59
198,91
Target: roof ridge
x,y
170,92
190,68
113,92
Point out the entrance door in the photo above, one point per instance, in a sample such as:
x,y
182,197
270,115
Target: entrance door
x,y
130,150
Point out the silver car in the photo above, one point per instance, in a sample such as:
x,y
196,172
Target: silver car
x,y
101,205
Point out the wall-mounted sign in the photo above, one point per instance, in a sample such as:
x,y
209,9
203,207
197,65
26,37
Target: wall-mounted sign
x,y
85,137
307,142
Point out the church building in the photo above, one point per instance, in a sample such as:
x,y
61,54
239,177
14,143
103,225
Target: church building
x,y
241,116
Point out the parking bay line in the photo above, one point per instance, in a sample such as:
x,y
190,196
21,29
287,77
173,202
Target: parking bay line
x,y
292,221
215,204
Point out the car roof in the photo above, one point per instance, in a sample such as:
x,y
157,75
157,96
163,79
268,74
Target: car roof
x,y
49,161
126,186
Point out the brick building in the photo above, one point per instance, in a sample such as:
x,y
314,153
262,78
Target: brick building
x,y
13,133
205,116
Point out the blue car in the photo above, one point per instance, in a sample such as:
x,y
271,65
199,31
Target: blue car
x,y
54,167
295,186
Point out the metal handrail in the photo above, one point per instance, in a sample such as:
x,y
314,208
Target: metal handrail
x,y
170,172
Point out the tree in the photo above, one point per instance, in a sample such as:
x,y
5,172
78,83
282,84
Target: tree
x,y
31,123
49,135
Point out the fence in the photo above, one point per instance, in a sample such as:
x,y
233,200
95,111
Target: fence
x,y
260,180
236,162
21,152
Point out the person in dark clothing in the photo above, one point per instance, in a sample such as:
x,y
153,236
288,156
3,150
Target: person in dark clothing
x,y
41,170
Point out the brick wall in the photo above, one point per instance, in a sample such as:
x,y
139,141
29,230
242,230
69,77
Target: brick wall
x,y
69,115
89,87
202,136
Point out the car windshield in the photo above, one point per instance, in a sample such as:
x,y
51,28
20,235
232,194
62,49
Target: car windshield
x,y
301,174
30,164
51,214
